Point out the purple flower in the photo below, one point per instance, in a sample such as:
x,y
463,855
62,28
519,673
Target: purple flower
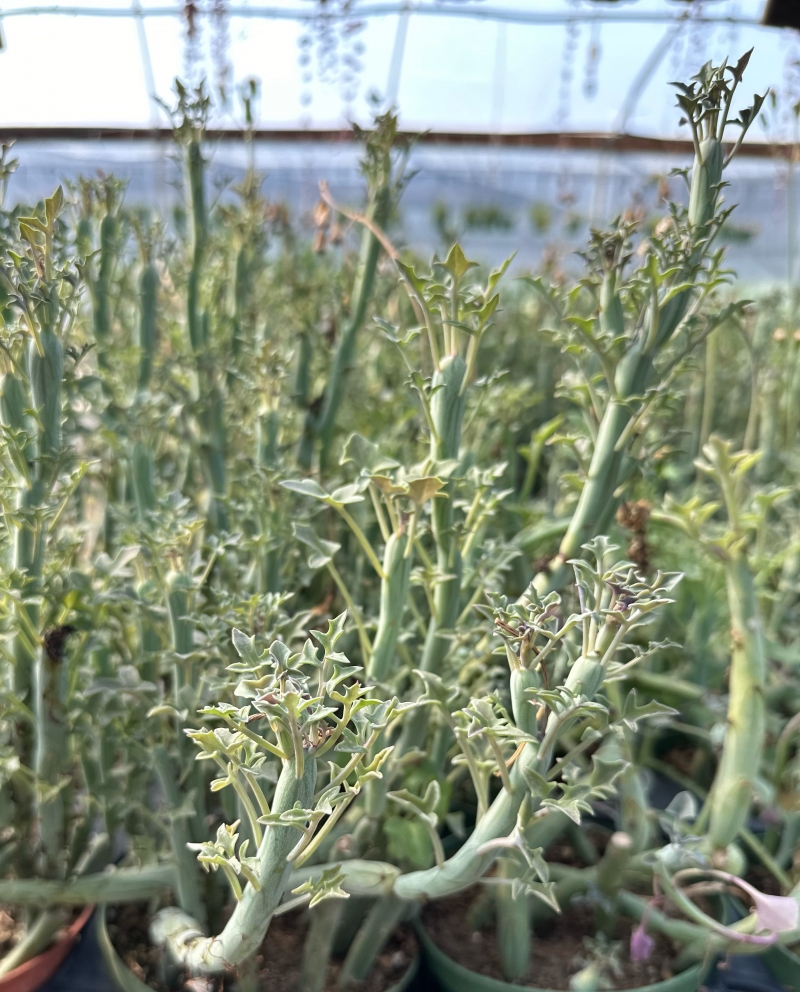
x,y
642,944
780,914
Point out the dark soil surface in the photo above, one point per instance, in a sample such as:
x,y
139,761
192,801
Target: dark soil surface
x,y
763,879
10,930
558,950
563,853
277,964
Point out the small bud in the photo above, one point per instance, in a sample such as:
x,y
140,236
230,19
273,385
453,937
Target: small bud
x,y
642,944
321,214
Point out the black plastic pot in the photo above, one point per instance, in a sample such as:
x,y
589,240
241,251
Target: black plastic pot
x,y
743,973
84,969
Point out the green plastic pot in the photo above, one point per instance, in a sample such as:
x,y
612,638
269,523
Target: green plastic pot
x,y
454,977
126,981
124,978
785,966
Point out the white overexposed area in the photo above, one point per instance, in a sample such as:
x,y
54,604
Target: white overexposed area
x,y
483,67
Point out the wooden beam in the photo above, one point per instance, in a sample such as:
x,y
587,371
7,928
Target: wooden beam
x,y
578,141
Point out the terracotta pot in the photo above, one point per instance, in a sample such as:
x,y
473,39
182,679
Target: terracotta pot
x,y
454,977
33,974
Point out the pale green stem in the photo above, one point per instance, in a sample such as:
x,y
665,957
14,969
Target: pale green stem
x,y
362,540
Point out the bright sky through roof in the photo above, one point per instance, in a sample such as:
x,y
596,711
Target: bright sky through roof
x,y
453,67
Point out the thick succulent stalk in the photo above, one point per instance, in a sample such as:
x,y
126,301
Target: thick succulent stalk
x,y
704,188
216,469
318,945
120,885
744,737
633,801
101,319
178,587
102,285
523,679
212,417
378,213
609,877
50,756
27,551
243,275
143,477
45,373
251,917
447,414
267,434
769,425
394,591
322,425
709,383
469,863
371,938
195,165
148,326
472,860
513,931
633,374
302,386
793,401
184,679
188,881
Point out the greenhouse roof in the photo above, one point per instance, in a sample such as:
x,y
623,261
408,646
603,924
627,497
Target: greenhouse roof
x,y
485,66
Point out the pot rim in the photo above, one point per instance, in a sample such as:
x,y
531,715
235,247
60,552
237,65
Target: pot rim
x,y
38,969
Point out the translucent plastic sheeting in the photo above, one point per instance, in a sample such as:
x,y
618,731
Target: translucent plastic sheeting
x,y
497,200
477,65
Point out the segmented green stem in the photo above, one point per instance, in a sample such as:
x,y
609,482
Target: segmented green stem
x,y
394,592
186,867
148,326
322,425
513,931
371,938
318,945
447,414
102,285
248,924
744,737
120,885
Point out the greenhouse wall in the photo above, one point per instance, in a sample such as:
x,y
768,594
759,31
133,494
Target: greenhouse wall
x,y
499,200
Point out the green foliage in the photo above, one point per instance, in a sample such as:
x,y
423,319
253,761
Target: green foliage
x,y
193,485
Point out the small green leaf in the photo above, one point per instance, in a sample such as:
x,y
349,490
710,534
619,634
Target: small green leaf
x,y
365,455
306,487
457,263
245,646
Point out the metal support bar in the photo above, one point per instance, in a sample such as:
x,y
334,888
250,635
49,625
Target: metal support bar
x,y
392,9
147,65
396,64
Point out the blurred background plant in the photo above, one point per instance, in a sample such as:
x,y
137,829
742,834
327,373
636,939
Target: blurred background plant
x,y
440,590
